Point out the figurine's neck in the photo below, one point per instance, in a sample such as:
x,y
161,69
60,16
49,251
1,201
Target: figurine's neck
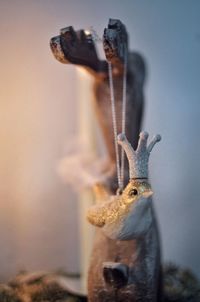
x,y
149,248
149,244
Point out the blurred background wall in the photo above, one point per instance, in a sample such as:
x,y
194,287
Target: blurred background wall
x,y
39,215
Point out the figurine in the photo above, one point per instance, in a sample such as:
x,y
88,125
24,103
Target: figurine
x,y
78,48
127,216
130,216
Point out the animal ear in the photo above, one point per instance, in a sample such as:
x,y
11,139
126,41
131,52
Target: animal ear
x,y
101,193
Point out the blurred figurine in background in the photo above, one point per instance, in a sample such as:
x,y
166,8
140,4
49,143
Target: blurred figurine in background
x,y
125,263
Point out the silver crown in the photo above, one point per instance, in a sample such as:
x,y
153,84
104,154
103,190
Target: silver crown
x,y
138,159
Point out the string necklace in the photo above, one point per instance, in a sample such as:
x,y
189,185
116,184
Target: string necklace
x,y
120,170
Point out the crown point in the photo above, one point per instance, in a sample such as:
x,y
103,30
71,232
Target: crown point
x,y
158,137
144,135
121,137
155,140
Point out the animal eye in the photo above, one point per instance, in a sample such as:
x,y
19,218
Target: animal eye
x,y
133,192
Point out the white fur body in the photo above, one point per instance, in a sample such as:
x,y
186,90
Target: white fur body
x,y
133,225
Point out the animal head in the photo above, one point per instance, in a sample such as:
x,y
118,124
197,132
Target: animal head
x,y
128,215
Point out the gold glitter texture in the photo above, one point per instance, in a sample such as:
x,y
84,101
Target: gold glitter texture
x,y
113,208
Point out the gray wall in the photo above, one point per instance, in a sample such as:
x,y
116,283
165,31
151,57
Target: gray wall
x,y
39,215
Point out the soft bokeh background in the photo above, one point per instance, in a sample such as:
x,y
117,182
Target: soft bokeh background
x,y
39,217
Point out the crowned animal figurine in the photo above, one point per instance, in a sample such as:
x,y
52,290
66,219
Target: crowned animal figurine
x,y
130,216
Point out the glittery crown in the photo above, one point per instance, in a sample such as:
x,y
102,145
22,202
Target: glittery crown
x,y
138,159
